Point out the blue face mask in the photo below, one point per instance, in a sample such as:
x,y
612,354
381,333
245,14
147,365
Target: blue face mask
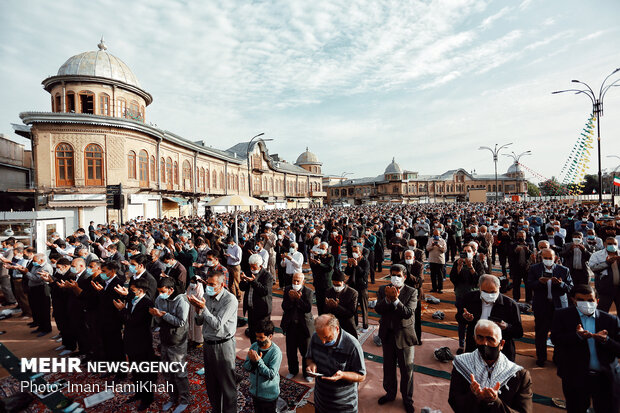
x,y
74,270
89,271
104,277
135,299
210,291
36,264
612,248
330,343
133,269
164,296
129,254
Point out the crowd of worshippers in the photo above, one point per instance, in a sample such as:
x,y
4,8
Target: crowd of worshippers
x,y
109,287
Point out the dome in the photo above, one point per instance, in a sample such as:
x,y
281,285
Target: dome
x,y
307,158
99,63
514,169
393,168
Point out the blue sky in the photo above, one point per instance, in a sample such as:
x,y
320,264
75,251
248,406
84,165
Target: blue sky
x,y
357,82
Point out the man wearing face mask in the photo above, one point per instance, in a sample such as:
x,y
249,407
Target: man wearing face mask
x,y
217,313
338,359
335,243
398,244
357,269
39,293
322,266
485,380
519,257
297,323
111,324
575,257
171,312
436,249
233,257
257,286
341,301
488,304
175,270
292,262
414,278
550,283
606,267
587,342
137,270
396,303
263,362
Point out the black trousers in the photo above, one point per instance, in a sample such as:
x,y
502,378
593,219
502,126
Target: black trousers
x,y
542,326
371,262
379,256
518,275
362,301
319,293
452,251
40,304
147,378
503,257
296,341
437,273
264,406
112,342
595,386
393,356
609,297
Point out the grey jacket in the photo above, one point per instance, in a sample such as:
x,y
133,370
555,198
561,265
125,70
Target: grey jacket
x,y
34,279
173,324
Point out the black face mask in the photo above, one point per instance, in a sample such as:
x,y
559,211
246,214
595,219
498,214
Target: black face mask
x,y
488,353
263,343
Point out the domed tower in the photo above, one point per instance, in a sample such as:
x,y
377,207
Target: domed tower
x,y
515,171
393,172
97,83
309,162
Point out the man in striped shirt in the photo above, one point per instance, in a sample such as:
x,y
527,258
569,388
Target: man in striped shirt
x,y
337,359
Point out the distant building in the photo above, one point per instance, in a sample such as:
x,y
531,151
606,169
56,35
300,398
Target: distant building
x,y
97,135
402,186
16,190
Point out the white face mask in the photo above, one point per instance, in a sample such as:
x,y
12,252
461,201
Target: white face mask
x,y
291,250
397,281
280,236
297,287
489,297
356,255
254,271
586,307
547,263
470,255
409,261
338,288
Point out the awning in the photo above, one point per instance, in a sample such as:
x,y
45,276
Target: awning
x,y
180,201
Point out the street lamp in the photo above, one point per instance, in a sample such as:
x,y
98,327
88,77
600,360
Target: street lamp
x,y
495,152
342,175
516,158
597,110
248,158
612,188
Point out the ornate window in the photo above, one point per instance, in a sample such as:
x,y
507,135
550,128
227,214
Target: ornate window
x,y
131,165
70,102
87,102
104,104
222,182
207,179
122,108
143,160
203,182
64,165
153,169
93,165
57,103
169,172
187,175
214,180
176,173
162,165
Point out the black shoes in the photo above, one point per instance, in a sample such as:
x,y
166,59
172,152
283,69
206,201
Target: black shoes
x,y
385,399
540,363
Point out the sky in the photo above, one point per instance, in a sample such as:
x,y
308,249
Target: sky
x,y
358,82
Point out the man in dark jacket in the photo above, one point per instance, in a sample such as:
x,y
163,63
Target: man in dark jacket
x,y
357,269
341,301
414,278
257,298
322,266
575,257
587,343
397,303
297,323
487,303
175,270
518,258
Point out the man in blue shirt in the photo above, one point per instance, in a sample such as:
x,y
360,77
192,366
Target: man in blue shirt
x,y
587,342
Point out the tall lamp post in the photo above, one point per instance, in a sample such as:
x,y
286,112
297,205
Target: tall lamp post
x,y
248,158
612,188
516,158
597,110
495,152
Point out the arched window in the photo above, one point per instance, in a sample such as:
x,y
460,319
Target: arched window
x,y
162,166
203,182
222,182
143,161
87,101
134,111
187,176
70,102
93,164
153,169
169,172
57,104
176,173
131,165
214,180
122,108
104,104
64,165
207,179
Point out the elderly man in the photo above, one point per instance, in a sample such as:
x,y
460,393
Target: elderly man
x,y
606,266
436,248
485,380
297,323
487,303
550,283
587,343
576,258
341,301
396,303
358,269
337,359
292,262
39,293
217,313
257,298
322,266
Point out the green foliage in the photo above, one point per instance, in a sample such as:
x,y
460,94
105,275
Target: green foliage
x,y
551,187
532,189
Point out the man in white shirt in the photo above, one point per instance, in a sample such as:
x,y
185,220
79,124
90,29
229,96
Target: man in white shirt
x,y
233,262
292,261
606,265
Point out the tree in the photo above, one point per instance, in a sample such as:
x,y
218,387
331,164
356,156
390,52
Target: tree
x,y
532,189
590,184
551,187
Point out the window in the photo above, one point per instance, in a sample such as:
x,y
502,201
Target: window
x,y
131,165
122,108
87,102
203,183
153,169
207,179
64,165
214,180
134,111
169,172
57,107
143,160
187,176
222,182
104,104
162,165
70,102
93,164
176,173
